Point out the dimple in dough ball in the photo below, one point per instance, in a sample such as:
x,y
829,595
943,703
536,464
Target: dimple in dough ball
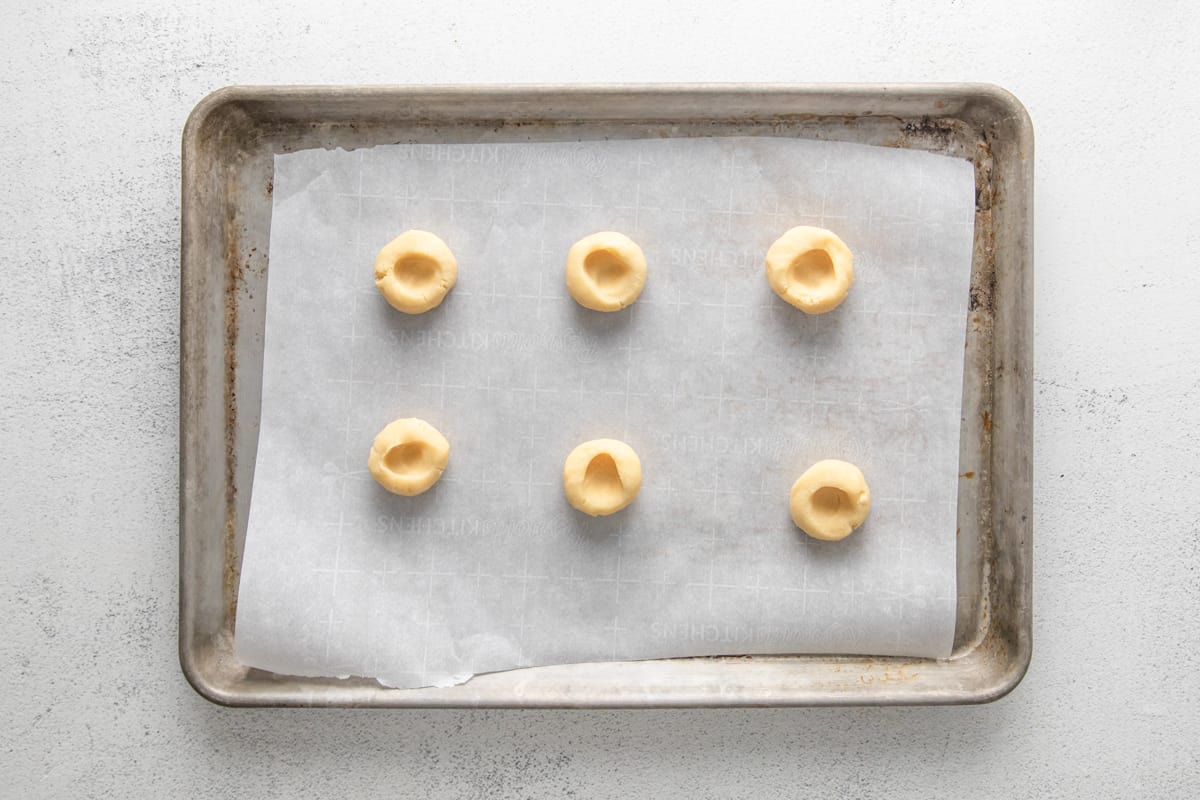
x,y
408,456
605,271
830,500
602,476
810,268
415,271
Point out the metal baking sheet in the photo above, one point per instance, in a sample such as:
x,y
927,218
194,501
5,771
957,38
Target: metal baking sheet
x,y
229,145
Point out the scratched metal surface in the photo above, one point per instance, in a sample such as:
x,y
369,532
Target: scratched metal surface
x,y
228,146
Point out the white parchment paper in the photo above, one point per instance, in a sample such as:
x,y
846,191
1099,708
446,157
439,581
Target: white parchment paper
x,y
726,393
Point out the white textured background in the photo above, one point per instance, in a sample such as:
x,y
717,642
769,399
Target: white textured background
x,y
92,102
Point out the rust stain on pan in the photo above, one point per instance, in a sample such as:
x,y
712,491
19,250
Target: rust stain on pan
x,y
935,134
233,281
983,282
899,673
933,130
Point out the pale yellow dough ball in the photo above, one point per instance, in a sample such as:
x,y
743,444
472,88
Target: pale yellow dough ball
x,y
408,456
810,268
602,476
415,271
605,271
830,500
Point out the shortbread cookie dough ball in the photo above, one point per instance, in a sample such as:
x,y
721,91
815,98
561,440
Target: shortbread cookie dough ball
x,y
830,500
408,456
415,271
602,476
605,271
811,268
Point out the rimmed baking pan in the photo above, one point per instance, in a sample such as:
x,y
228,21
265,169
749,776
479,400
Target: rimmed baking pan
x,y
228,148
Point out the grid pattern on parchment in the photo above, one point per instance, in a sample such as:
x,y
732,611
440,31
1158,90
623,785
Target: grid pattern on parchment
x,y
726,393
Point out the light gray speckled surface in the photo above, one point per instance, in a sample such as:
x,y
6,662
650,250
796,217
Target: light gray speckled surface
x,y
92,101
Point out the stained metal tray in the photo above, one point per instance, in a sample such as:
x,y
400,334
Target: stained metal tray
x,y
228,148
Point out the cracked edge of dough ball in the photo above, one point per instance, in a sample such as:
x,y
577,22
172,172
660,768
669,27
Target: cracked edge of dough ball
x,y
575,468
405,296
796,242
435,456
841,476
583,286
